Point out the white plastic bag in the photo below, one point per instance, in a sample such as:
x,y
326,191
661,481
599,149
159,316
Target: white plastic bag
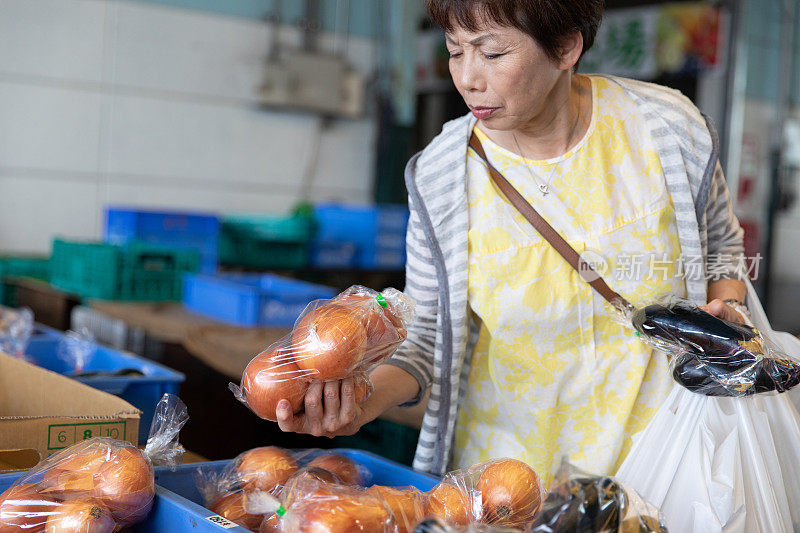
x,y
715,464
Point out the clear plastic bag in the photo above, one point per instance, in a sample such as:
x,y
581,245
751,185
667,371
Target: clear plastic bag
x,y
501,492
711,356
76,348
16,328
438,525
98,485
579,502
256,482
723,464
332,339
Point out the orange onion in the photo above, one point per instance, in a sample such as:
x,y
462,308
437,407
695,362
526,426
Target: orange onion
x,y
306,482
330,341
345,469
385,330
405,505
81,516
118,477
271,524
340,513
23,509
449,502
362,389
265,468
510,493
231,506
271,377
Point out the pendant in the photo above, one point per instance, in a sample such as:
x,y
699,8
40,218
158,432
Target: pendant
x,y
543,188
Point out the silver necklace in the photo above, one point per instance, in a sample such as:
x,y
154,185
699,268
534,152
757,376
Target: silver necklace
x,y
545,187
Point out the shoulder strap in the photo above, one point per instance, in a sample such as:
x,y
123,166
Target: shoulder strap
x,y
584,269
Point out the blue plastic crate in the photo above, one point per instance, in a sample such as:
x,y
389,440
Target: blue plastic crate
x,y
382,472
333,254
375,258
362,225
251,300
199,231
143,392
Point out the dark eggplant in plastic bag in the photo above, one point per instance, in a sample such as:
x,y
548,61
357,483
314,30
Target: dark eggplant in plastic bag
x,y
581,503
718,358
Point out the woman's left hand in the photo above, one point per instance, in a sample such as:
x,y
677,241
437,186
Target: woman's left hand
x,y
720,309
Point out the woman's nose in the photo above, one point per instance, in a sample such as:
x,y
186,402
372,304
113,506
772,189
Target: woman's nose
x,y
471,77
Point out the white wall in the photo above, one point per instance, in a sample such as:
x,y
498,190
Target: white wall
x,y
105,101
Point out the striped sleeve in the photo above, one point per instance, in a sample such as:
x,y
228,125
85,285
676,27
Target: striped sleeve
x,y
416,354
726,258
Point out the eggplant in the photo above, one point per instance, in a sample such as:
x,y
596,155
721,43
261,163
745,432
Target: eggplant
x,y
720,358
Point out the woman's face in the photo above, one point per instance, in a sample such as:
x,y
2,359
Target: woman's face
x,y
503,75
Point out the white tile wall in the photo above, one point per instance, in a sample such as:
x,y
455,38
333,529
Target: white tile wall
x,y
33,209
107,101
44,127
52,38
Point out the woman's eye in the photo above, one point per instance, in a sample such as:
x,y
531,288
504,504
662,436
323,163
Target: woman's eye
x,y
492,56
455,54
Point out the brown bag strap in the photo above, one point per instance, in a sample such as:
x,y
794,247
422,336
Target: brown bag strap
x,y
584,269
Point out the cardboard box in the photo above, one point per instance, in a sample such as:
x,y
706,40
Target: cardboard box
x,y
42,412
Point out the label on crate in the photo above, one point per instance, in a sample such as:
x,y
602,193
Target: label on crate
x,y
221,522
63,435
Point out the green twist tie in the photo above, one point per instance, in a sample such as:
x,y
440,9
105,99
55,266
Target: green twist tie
x,y
381,300
280,511
637,333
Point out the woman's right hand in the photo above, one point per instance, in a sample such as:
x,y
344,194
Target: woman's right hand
x,y
331,409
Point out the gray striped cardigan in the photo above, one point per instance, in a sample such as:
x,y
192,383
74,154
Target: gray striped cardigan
x,y
441,339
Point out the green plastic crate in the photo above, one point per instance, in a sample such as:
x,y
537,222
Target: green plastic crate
x,y
388,439
266,242
20,267
130,272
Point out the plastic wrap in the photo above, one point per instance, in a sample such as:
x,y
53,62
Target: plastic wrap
x,y
579,502
332,339
98,485
406,504
500,492
76,348
438,525
16,328
252,486
711,356
332,508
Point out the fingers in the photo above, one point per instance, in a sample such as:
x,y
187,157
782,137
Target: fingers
x,y
330,423
286,419
720,309
348,411
314,409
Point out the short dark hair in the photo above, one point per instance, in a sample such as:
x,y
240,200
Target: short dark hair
x,y
549,22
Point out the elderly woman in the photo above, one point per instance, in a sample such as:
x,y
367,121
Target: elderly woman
x,y
522,357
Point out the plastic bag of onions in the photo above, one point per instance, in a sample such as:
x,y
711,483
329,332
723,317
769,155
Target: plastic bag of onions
x,y
500,492
332,339
318,506
270,470
98,485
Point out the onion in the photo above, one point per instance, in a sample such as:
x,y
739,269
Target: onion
x,y
340,513
450,502
231,506
405,505
269,378
118,477
271,524
265,468
22,508
330,341
307,481
510,493
362,389
385,331
344,468
81,516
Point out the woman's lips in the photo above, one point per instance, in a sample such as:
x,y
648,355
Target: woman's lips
x,y
482,113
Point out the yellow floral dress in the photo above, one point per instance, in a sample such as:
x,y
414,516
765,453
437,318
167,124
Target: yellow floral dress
x,y
553,374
